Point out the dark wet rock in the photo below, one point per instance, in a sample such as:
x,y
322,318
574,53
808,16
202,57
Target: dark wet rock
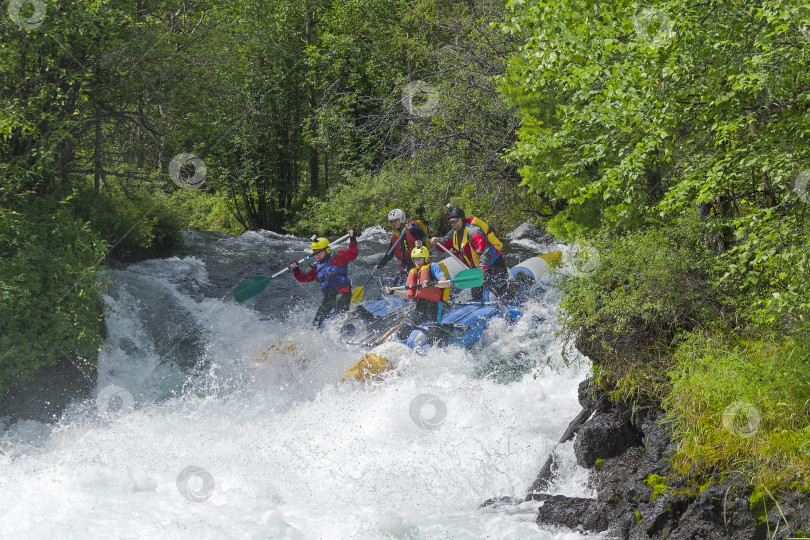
x,y
573,512
655,438
639,497
46,397
592,397
499,502
659,517
791,519
616,480
176,333
721,512
605,435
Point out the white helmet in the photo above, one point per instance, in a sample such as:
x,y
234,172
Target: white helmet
x,y
396,213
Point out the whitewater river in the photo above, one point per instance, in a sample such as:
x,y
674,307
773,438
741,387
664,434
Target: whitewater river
x,y
188,436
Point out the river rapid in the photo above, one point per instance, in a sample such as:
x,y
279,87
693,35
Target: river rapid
x,y
189,436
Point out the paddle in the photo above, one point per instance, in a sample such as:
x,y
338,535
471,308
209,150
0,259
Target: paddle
x,y
466,279
482,272
254,286
357,294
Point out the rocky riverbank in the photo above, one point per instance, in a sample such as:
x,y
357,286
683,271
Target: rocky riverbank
x,y
639,496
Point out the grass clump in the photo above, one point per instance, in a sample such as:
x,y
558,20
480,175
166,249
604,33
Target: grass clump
x,y
742,404
658,485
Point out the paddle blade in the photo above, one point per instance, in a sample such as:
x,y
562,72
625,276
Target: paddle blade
x,y
357,294
370,367
467,279
250,288
553,258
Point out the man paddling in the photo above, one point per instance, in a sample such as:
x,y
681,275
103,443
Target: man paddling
x,y
477,246
333,275
405,238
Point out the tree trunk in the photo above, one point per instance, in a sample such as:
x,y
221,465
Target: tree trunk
x,y
97,153
313,125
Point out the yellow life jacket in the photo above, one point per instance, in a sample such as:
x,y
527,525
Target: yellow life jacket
x,y
493,239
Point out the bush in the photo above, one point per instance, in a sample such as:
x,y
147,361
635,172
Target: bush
x,y
647,289
136,222
49,292
364,201
201,211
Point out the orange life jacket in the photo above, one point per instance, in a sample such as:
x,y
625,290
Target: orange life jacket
x,y
433,294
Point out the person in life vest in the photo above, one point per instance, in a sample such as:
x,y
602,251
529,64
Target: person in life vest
x,y
413,232
429,299
333,275
477,247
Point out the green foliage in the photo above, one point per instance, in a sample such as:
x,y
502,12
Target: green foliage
x,y
646,289
365,200
49,288
658,106
201,211
770,264
136,222
636,112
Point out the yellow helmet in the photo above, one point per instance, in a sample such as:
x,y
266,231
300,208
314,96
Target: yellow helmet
x,y
320,243
420,251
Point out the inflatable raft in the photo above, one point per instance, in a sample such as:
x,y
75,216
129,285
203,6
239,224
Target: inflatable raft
x,y
378,323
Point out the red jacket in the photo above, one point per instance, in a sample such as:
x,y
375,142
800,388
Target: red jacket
x,y
478,241
341,258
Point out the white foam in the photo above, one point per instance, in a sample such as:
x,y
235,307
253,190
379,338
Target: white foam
x,y
294,452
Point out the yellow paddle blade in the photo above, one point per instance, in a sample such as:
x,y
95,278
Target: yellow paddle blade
x,y
378,361
553,258
357,294
370,366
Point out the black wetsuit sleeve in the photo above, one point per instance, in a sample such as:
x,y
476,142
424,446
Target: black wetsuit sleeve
x,y
387,257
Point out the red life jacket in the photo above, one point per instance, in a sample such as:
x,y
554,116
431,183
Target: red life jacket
x,y
409,241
